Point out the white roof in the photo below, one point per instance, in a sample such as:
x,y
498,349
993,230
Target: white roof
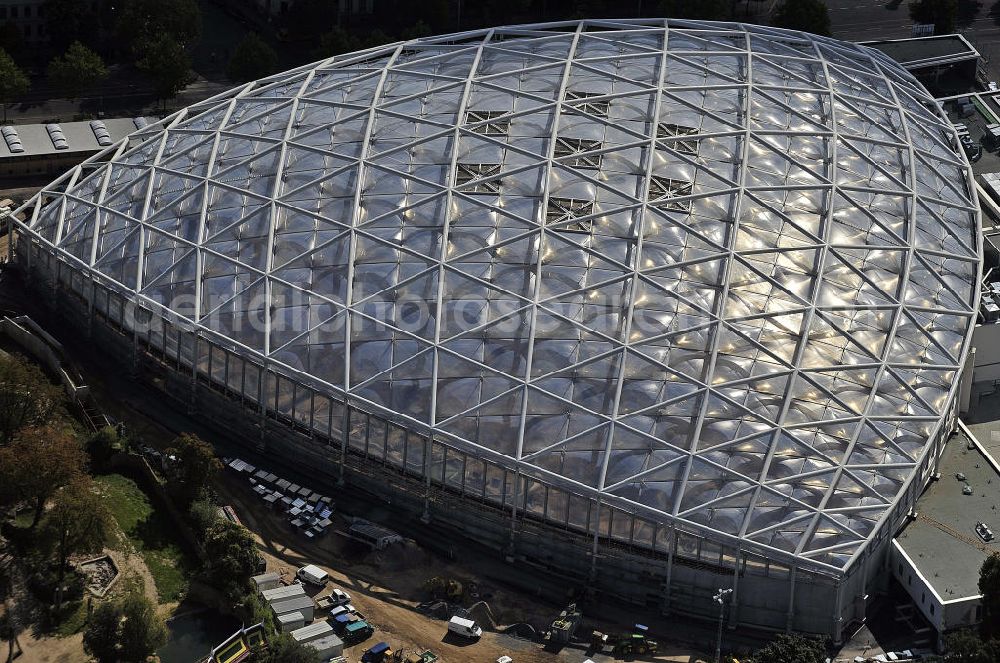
x,y
313,570
313,631
80,136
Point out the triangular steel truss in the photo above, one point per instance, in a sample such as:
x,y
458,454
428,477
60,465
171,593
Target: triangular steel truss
x,y
719,275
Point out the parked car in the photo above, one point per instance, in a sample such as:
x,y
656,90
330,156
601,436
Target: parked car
x,y
984,532
466,628
337,598
973,150
313,575
356,632
346,609
377,653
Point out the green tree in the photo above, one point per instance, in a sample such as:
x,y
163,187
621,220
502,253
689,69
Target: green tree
x,y
12,39
67,21
102,445
251,60
124,631
965,646
806,15
79,521
203,513
142,21
195,469
790,648
27,398
417,30
100,637
233,557
709,10
283,648
78,69
167,64
37,464
335,42
142,630
989,587
941,13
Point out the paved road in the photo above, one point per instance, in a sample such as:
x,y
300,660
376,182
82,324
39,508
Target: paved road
x,y
865,20
123,100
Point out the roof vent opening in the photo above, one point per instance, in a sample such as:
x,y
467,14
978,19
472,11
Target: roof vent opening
x,y
57,136
673,133
489,122
598,108
663,191
565,213
101,133
572,152
470,176
12,139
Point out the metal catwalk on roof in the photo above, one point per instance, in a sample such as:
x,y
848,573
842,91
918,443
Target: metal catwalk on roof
x,y
717,274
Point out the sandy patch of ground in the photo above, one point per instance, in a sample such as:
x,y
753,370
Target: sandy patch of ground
x,y
49,650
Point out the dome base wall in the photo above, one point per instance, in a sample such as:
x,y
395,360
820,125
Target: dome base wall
x,y
769,596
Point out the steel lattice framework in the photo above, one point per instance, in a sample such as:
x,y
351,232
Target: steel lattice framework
x,y
718,275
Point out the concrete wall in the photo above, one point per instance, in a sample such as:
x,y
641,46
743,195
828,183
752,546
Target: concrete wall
x,y
943,615
986,341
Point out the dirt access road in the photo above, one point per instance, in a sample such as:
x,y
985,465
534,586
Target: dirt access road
x,y
386,595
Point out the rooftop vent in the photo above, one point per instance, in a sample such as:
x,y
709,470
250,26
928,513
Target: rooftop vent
x,y
472,172
12,139
565,212
574,148
101,133
598,108
57,136
673,133
662,191
495,123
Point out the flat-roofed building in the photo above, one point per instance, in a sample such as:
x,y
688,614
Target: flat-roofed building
x,y
47,149
937,556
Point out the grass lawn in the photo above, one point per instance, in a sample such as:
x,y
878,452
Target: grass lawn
x,y
148,532
23,518
73,620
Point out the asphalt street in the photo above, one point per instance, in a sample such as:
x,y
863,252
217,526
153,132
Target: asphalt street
x,y
868,20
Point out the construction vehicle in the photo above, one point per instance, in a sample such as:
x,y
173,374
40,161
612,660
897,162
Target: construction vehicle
x,y
377,653
624,644
598,641
634,644
425,657
564,628
447,589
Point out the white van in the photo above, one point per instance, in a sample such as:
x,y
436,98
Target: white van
x,y
313,575
464,627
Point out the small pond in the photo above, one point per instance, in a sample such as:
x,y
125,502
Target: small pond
x,y
193,634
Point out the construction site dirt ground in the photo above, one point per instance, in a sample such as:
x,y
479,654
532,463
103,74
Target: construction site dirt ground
x,y
387,587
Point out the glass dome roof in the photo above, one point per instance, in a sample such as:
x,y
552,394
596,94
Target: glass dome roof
x,y
718,274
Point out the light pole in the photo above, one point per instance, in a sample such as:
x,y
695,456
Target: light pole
x,y
720,598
